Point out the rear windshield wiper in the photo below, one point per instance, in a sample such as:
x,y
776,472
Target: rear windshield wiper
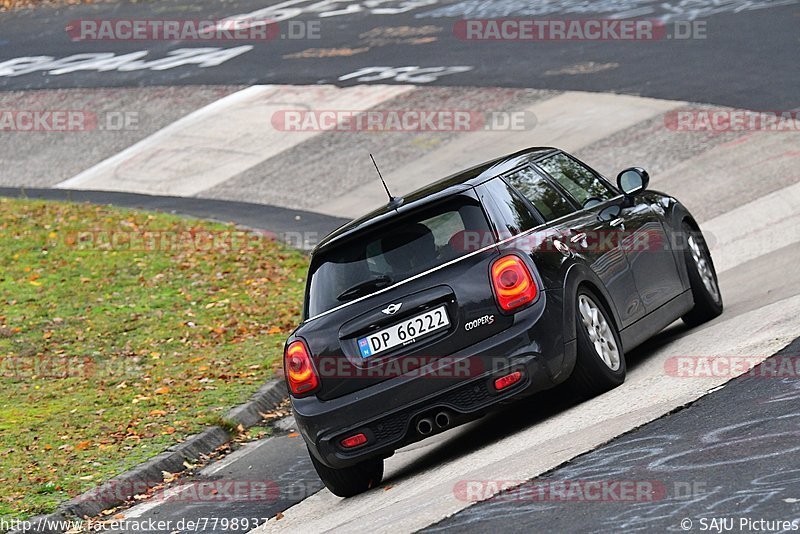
x,y
362,288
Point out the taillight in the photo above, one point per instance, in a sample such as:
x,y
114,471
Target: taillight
x,y
513,284
300,372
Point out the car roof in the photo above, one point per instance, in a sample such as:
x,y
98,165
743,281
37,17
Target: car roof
x,y
450,185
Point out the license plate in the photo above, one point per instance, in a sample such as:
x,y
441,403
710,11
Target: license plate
x,y
404,333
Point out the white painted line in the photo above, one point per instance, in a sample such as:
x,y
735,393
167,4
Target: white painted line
x,y
221,140
92,174
754,229
569,121
155,501
234,457
174,492
758,178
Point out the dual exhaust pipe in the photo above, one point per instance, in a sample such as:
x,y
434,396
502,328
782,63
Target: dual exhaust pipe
x,y
426,424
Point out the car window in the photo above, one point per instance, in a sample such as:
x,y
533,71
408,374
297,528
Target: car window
x,y
513,215
578,180
393,252
544,196
441,228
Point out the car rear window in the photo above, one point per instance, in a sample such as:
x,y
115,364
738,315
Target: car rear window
x,y
396,251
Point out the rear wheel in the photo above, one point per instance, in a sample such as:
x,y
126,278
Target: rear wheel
x,y
702,278
350,481
600,364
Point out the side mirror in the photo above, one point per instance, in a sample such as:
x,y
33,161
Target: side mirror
x,y
633,181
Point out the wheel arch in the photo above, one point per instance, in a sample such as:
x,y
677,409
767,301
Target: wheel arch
x,y
679,216
688,219
683,270
581,276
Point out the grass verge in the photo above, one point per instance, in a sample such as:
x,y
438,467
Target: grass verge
x,y
10,5
122,332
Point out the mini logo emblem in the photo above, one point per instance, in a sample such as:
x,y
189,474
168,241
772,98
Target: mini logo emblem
x,y
391,309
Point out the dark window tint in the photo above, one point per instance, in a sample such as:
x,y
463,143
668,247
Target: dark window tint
x,y
512,213
541,193
403,248
579,181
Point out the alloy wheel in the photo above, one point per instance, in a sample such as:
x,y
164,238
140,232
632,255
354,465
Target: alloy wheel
x,y
704,268
599,331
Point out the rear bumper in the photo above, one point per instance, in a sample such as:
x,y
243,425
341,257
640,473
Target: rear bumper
x,y
388,412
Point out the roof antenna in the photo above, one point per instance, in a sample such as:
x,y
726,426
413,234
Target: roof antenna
x,y
393,201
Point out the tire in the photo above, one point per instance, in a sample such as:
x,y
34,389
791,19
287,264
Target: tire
x,y
350,481
702,279
595,372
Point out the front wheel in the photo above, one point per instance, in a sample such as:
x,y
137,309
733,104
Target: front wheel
x,y
702,278
350,481
600,364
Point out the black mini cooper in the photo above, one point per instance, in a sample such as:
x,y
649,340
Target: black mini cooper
x,y
495,283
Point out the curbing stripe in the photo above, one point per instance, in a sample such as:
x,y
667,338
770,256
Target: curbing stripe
x,y
221,140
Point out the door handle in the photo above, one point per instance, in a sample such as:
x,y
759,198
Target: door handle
x,y
578,237
619,221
